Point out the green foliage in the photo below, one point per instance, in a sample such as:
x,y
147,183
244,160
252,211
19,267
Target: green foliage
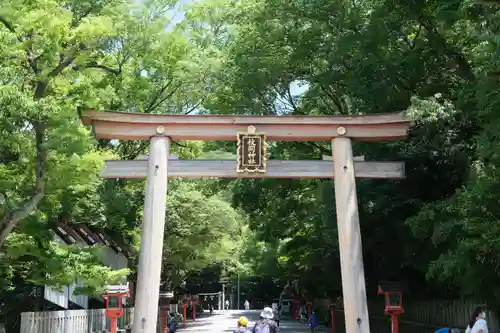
x,y
60,56
437,62
202,230
49,162
39,261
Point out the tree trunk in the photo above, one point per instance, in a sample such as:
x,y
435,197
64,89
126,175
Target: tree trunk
x,y
13,215
11,218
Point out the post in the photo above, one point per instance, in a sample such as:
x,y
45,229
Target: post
x,y
165,320
153,227
113,323
238,291
184,310
351,254
395,322
333,309
296,309
193,307
223,298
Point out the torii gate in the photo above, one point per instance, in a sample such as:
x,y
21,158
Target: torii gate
x,y
251,163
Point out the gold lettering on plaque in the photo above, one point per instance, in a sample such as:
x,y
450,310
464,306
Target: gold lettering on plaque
x,y
252,151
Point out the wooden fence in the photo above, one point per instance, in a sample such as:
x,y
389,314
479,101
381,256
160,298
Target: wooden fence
x,y
419,316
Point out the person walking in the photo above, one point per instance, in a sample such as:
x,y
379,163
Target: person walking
x,y
266,324
242,325
303,315
477,322
277,315
313,322
172,323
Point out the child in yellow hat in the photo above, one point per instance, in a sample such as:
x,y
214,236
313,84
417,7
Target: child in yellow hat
x,y
242,325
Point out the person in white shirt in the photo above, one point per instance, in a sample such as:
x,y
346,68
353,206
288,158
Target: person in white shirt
x,y
477,323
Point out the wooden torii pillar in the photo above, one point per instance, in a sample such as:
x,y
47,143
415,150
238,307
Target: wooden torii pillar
x,y
161,129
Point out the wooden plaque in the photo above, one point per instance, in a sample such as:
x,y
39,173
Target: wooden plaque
x,y
251,151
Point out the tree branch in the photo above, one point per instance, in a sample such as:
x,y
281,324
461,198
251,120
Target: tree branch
x,y
62,65
266,103
156,100
7,24
290,100
323,150
104,68
335,100
131,154
41,86
10,219
195,106
179,144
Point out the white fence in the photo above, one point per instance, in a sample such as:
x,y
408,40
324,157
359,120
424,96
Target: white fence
x,y
69,321
75,321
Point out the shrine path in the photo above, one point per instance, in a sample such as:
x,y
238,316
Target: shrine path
x,y
226,322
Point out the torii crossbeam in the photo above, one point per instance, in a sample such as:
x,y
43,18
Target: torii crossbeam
x,y
161,129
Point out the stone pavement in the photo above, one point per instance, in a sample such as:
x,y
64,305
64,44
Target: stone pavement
x,y
225,321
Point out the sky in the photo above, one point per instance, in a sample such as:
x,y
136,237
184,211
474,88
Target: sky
x,y
297,88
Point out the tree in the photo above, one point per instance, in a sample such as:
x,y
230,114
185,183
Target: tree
x,y
40,261
370,57
202,231
437,62
49,48
94,55
110,55
42,43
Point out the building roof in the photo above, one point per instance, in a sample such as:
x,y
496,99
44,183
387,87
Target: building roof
x,y
71,233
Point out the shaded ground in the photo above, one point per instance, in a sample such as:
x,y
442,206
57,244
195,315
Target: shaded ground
x,y
226,322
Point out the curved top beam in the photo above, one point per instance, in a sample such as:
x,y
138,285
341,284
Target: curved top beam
x,y
142,126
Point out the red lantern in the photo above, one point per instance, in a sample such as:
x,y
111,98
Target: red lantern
x,y
165,307
114,304
393,294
